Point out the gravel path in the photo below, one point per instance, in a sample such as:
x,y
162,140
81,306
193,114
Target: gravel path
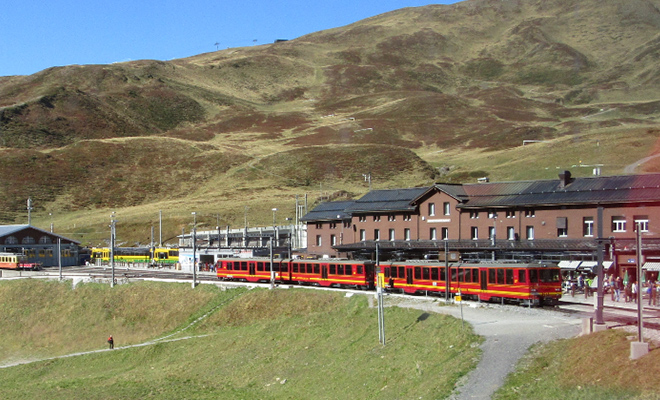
x,y
509,332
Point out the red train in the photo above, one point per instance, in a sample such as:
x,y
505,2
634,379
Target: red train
x,y
530,283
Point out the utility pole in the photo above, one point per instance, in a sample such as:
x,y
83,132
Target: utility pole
x,y
29,210
194,244
380,282
160,228
113,223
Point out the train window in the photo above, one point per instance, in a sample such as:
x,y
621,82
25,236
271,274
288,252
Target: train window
x,y
426,273
461,276
491,276
522,278
310,268
387,272
402,272
443,275
333,269
454,274
475,275
500,275
533,276
244,265
549,275
509,276
317,269
418,273
295,267
468,275
340,269
349,270
434,274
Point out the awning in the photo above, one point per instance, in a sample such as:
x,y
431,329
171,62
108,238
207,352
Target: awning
x,y
651,266
587,265
569,264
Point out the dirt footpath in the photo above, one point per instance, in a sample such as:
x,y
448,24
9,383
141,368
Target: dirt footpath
x,y
509,331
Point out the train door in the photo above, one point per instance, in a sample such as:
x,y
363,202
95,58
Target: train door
x,y
409,275
251,267
484,279
324,271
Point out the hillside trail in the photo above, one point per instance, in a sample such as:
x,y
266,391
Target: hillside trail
x,y
163,339
509,332
630,169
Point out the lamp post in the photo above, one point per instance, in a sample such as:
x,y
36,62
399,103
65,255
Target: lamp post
x,y
194,244
274,213
51,222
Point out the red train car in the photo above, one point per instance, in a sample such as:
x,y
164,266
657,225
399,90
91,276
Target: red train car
x,y
531,283
332,272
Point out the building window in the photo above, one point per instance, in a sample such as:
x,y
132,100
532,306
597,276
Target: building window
x,y
618,224
588,226
562,227
474,214
530,232
363,235
642,221
332,225
318,241
333,240
510,214
491,232
431,209
433,234
406,234
445,233
530,213
510,233
446,208
376,218
474,233
45,240
347,224
362,218
392,235
407,217
11,240
492,214
28,240
391,217
376,234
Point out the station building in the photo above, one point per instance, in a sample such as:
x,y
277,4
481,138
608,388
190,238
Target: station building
x,y
39,245
552,220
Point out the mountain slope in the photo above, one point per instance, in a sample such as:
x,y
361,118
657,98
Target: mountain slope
x,y
426,85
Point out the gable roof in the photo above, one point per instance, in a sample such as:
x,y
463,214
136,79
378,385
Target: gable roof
x,y
388,200
593,190
329,211
7,230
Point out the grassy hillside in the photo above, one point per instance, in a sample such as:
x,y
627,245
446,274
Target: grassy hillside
x,y
596,366
442,92
262,344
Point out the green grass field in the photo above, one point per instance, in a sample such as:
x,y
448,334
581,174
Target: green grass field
x,y
595,366
252,344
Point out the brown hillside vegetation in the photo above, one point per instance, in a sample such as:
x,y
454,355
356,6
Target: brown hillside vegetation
x,y
452,87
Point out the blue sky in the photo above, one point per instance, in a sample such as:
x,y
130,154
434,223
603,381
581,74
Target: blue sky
x,y
37,34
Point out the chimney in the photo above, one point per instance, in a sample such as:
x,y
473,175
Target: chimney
x,y
564,179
